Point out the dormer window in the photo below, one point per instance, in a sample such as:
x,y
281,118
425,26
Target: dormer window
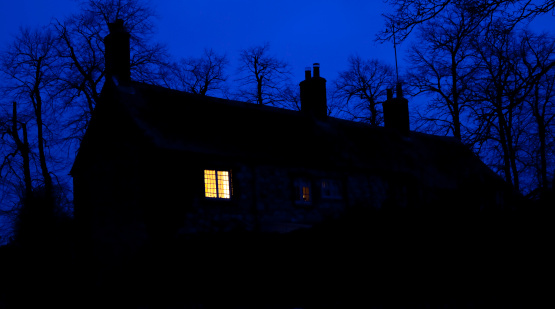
x,y
217,184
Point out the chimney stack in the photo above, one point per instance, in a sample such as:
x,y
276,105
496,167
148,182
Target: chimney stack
x,y
396,111
313,94
117,53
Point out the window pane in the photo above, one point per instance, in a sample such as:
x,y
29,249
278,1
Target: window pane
x,y
210,183
306,194
223,184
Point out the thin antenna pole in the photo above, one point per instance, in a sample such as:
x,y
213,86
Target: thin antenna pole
x,y
395,49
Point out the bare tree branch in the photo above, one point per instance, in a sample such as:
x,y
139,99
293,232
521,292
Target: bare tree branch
x,y
408,14
198,75
263,77
362,88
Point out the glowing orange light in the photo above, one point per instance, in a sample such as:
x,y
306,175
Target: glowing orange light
x,y
223,184
210,183
306,194
217,184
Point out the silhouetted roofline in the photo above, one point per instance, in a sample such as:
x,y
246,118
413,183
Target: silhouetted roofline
x,y
175,120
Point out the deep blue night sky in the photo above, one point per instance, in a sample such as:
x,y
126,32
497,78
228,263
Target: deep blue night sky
x,y
299,32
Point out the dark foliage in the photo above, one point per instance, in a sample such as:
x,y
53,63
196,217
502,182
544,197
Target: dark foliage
x,y
42,218
38,265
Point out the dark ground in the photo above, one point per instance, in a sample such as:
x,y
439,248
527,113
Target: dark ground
x,y
370,259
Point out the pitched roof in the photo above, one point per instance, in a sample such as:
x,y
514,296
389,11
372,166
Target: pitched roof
x,y
180,121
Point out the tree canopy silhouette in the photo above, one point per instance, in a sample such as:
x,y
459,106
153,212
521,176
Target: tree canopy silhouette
x,y
263,76
408,14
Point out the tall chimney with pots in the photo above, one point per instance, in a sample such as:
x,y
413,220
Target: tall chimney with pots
x,y
313,94
396,111
117,53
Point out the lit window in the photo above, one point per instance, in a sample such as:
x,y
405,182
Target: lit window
x,y
306,194
217,184
302,191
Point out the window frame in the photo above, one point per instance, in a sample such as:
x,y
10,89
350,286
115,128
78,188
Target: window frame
x,y
217,186
299,186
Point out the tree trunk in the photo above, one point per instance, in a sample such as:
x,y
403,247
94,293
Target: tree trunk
x,y
542,138
373,112
259,91
23,147
503,140
510,144
37,104
543,157
455,110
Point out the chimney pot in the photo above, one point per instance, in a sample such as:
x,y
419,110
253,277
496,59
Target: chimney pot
x,y
116,26
316,69
307,73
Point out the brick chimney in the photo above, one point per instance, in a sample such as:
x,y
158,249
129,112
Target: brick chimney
x,y
396,111
117,53
313,94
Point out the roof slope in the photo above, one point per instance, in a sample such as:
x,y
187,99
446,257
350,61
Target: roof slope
x,y
181,121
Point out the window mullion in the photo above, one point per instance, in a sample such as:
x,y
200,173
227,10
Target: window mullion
x,y
217,186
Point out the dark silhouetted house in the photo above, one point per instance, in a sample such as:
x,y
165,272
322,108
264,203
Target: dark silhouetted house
x,y
156,162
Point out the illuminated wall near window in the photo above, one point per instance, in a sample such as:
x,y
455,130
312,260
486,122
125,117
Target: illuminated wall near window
x,y
217,184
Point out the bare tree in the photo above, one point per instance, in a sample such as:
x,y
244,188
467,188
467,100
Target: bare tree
x,y
495,51
486,79
443,66
263,77
32,70
408,14
542,104
55,74
362,88
16,160
22,147
81,49
538,53
198,75
511,67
